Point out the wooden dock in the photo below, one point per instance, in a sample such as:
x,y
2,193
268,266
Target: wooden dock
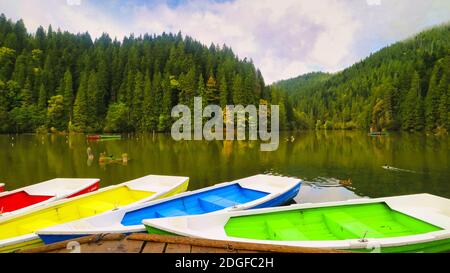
x,y
145,243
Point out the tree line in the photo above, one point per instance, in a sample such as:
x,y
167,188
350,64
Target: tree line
x,y
69,82
404,86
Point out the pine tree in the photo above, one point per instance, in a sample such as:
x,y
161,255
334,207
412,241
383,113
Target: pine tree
x,y
188,86
148,103
68,94
165,115
138,97
42,102
411,113
80,108
444,109
202,90
431,100
223,90
211,95
238,91
94,101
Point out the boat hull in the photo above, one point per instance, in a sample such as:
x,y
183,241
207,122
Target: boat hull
x,y
440,246
22,245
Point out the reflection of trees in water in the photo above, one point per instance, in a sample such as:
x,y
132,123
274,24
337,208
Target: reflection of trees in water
x,y
336,154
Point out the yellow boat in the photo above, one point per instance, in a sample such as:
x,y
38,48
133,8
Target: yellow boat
x,y
17,231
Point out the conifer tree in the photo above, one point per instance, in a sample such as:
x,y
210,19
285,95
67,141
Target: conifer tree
x,y
80,108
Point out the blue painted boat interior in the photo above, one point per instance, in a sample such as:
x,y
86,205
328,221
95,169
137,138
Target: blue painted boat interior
x,y
198,203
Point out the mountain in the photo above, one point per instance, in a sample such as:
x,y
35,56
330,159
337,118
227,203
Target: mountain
x,y
303,83
55,79
404,86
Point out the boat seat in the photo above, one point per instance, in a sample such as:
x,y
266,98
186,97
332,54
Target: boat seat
x,y
35,225
215,202
170,213
94,207
284,230
344,226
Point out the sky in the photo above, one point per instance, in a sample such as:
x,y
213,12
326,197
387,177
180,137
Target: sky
x,y
284,38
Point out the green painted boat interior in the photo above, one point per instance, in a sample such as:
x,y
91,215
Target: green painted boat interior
x,y
375,220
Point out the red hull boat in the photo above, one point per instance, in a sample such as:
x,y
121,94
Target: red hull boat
x,y
2,187
45,192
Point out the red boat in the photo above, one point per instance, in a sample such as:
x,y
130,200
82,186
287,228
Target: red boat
x,y
45,192
2,187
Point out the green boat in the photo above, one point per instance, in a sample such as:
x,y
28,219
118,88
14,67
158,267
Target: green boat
x,y
413,223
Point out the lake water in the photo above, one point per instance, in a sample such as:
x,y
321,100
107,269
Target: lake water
x,y
418,163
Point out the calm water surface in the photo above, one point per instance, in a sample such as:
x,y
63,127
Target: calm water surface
x,y
420,163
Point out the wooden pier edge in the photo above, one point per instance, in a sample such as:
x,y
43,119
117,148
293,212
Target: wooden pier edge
x,y
227,244
152,243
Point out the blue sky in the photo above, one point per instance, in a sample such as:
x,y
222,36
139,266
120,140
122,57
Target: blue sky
x,y
284,38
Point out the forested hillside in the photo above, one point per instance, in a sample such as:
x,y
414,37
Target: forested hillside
x,y
402,87
55,79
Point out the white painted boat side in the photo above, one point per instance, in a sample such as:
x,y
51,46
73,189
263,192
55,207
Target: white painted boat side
x,y
58,187
211,226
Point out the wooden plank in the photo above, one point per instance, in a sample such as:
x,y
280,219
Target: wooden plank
x,y
63,245
178,248
249,251
228,244
202,249
123,246
151,247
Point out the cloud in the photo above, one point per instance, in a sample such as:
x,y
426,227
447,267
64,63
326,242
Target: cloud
x,y
284,38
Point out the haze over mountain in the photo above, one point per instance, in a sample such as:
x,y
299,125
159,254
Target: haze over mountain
x,y
403,86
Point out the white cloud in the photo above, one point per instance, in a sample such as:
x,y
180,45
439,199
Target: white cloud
x,y
284,38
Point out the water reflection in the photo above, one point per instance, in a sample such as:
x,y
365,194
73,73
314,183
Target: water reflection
x,y
323,158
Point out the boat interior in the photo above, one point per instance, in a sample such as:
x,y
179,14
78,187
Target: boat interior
x,y
19,200
199,203
375,220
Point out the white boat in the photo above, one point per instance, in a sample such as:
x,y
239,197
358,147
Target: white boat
x,y
18,231
252,192
412,223
26,198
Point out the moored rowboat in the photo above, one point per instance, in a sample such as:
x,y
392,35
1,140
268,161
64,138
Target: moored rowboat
x,y
253,192
98,137
29,197
414,223
17,231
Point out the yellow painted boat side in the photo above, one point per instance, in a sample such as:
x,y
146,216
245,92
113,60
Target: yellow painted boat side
x,y
23,245
180,189
69,211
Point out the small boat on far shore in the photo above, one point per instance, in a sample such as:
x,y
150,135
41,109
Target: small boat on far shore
x,y
2,187
103,137
378,134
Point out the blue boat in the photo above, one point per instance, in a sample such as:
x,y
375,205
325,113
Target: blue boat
x,y
259,191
